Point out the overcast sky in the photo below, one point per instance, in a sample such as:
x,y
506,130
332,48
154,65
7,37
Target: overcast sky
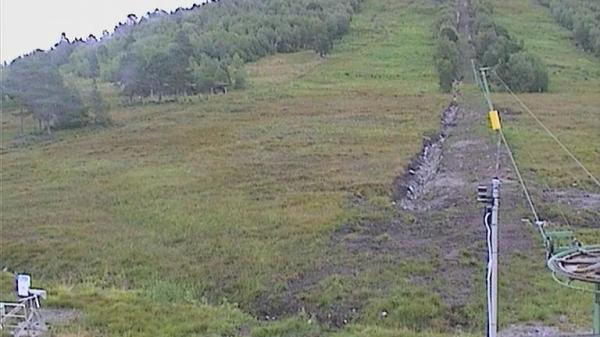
x,y
26,25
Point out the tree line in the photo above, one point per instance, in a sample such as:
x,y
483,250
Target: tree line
x,y
495,47
582,17
446,51
188,51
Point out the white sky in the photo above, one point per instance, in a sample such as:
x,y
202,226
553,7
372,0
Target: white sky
x,y
26,25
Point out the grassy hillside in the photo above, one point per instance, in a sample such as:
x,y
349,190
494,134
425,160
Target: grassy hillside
x,y
195,218
226,199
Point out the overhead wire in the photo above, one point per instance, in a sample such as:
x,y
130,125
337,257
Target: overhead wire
x,y
488,226
560,206
499,139
552,135
542,224
502,139
520,177
498,148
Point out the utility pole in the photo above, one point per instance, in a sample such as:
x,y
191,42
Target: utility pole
x,y
490,196
476,75
493,328
486,87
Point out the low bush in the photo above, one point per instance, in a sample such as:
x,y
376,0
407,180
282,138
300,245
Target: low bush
x,y
525,72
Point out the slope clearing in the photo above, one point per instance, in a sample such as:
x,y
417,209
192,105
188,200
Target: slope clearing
x,y
202,218
224,199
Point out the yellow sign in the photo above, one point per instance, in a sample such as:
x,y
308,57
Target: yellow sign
x,y
495,120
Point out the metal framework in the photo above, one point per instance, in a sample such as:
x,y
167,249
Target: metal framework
x,y
22,318
572,264
580,265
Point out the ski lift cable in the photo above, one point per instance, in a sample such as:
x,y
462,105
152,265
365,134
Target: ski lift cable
x,y
552,135
521,180
498,148
560,206
502,139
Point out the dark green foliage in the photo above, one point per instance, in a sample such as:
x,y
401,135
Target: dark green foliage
x,y
206,72
36,83
98,108
192,51
495,47
525,72
83,62
493,43
130,75
238,73
446,54
580,16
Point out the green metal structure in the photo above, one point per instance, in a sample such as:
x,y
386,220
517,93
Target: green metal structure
x,y
580,265
572,264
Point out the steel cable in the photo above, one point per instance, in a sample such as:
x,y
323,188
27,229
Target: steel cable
x,y
563,146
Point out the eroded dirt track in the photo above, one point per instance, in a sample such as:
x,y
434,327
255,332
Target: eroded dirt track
x,y
448,216
438,222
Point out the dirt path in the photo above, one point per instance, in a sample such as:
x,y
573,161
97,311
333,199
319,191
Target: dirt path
x,y
448,214
437,220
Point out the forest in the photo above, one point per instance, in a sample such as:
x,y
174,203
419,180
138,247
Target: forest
x,y
582,17
187,51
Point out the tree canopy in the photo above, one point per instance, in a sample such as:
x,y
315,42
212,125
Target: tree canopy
x,y
187,51
35,82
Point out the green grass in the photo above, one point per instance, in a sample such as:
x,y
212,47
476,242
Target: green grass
x,y
175,221
203,207
7,287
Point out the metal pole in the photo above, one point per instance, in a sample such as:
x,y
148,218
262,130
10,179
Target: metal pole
x,y
476,75
597,311
493,324
486,88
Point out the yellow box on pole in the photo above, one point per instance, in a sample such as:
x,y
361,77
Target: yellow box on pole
x,y
495,120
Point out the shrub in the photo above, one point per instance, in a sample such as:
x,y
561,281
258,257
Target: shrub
x,y
446,54
446,57
525,72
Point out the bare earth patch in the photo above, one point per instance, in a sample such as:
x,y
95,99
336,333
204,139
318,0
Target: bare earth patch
x,y
536,330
